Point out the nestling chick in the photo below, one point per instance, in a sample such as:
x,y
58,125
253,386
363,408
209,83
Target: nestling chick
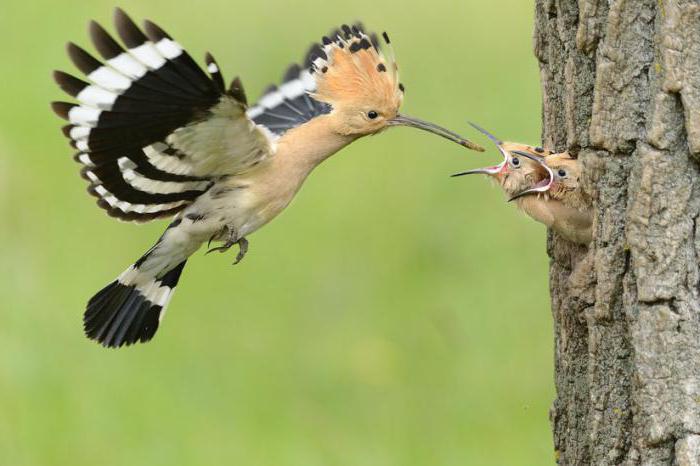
x,y
519,170
547,193
565,187
559,194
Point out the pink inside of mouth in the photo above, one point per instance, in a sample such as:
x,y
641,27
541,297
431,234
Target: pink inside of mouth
x,y
501,168
545,183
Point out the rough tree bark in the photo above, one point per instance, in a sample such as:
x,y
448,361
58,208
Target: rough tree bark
x,y
621,88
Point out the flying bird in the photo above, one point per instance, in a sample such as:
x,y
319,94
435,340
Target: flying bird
x,y
544,185
157,137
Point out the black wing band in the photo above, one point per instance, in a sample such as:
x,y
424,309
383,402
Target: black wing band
x,y
289,105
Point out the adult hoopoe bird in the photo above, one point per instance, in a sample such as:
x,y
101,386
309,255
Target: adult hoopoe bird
x,y
544,185
159,138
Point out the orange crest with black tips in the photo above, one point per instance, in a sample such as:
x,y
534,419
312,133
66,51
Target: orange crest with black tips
x,y
353,69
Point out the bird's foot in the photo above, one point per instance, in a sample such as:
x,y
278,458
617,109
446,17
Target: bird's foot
x,y
232,238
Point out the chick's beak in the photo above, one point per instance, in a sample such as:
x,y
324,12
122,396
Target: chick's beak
x,y
403,120
494,170
540,187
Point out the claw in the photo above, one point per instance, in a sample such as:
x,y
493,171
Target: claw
x,y
223,248
243,245
216,235
230,240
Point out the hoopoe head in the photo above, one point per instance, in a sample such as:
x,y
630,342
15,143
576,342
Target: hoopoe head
x,y
520,169
566,174
361,84
562,180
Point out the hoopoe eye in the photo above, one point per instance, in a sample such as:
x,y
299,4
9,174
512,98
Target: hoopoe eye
x,y
372,114
562,173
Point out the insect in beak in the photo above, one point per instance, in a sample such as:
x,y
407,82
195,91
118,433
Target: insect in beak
x,y
488,170
540,187
403,120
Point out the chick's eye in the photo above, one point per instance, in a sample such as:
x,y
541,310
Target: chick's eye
x,y
372,114
562,172
515,161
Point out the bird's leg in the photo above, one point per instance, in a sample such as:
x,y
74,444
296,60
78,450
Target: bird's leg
x,y
231,239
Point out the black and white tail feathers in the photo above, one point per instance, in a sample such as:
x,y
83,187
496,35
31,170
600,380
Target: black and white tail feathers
x,y
129,309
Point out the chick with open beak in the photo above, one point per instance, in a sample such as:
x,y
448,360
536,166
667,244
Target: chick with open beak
x,y
544,185
520,169
559,198
563,183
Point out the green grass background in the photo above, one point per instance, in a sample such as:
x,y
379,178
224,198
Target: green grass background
x,y
391,316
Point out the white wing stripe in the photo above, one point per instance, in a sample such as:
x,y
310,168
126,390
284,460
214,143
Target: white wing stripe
x,y
127,207
138,181
128,65
84,116
125,163
168,48
110,79
79,132
272,99
255,112
85,160
164,162
308,79
95,96
82,145
292,89
147,54
92,176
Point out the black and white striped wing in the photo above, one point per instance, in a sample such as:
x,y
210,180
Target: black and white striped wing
x,y
289,105
153,130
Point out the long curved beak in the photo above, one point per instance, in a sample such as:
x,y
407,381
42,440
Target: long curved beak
x,y
480,171
487,170
493,138
542,186
403,120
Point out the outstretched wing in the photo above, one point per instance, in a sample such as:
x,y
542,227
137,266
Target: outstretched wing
x,y
290,104
153,130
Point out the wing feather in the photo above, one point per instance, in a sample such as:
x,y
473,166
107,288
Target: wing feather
x,y
153,130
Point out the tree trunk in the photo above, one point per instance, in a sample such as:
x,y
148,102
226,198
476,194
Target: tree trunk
x,y
621,88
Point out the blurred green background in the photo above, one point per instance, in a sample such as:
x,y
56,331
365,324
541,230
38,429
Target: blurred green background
x,y
391,316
